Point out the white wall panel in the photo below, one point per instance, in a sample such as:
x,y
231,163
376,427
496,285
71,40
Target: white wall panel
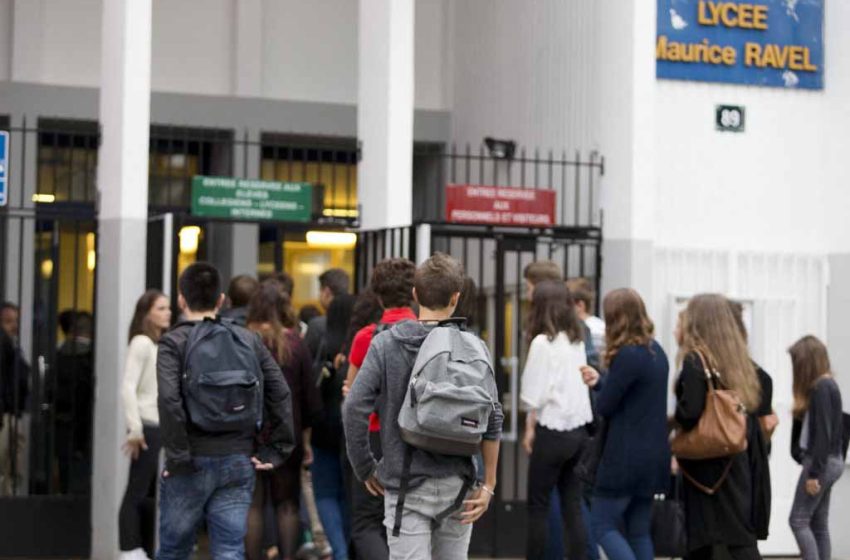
x,y
526,71
192,46
6,18
431,50
70,36
310,50
788,297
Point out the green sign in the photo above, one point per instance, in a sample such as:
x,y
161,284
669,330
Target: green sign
x,y
249,199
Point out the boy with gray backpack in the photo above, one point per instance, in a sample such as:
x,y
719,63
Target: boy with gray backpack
x,y
219,387
433,384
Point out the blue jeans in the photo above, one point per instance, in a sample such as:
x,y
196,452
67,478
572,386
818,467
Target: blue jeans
x,y
220,491
330,494
555,539
633,513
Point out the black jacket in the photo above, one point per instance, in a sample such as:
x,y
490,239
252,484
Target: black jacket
x,y
182,440
738,514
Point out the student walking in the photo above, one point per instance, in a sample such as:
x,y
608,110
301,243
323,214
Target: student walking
x,y
632,398
392,284
533,274
817,445
268,311
559,412
151,318
327,467
429,502
725,508
217,384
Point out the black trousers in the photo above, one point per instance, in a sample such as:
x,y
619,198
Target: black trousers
x,y
368,534
137,517
553,459
723,552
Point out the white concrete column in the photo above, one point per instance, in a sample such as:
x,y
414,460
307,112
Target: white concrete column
x,y
27,37
248,48
385,112
122,179
626,132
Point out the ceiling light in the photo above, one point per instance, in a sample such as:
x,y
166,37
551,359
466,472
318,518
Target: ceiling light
x,y
340,212
91,255
44,198
331,239
189,236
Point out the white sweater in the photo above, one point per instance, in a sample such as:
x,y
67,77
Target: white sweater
x,y
552,383
139,388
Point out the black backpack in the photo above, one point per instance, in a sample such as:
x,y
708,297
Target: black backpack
x,y
222,379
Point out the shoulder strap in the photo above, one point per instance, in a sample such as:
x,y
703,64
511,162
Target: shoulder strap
x,y
711,375
710,490
402,491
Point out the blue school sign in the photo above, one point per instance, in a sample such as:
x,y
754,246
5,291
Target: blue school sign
x,y
4,166
776,43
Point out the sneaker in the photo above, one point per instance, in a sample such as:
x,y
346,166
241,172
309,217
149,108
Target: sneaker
x,y
135,554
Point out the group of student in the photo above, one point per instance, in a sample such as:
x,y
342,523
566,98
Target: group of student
x,y
727,498
243,397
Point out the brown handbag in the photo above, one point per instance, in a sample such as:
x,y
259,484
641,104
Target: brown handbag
x,y
722,428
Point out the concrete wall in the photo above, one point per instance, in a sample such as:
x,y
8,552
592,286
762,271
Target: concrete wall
x,y
525,71
306,49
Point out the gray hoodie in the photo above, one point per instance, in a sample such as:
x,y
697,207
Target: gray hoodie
x,y
380,387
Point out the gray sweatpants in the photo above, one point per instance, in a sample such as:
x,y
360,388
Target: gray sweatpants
x,y
810,514
418,540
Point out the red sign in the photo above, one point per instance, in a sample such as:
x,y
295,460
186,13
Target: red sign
x,y
503,206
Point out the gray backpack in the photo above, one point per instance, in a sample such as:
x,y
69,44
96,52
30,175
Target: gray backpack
x,y
447,405
222,379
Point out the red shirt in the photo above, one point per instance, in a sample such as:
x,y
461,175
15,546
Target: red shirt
x,y
362,340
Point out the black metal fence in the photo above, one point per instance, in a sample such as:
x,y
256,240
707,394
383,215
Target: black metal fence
x,y
375,246
574,178
47,283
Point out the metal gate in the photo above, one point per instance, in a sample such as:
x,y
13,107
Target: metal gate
x,y
48,254
494,259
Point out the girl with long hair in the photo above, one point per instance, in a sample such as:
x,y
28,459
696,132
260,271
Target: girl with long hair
x,y
817,445
632,399
727,516
328,447
139,394
269,314
559,412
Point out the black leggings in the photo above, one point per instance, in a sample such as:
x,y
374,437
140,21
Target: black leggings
x,y
283,486
368,534
722,552
553,458
137,517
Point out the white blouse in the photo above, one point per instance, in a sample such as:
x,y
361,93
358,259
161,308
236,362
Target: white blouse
x,y
552,383
139,390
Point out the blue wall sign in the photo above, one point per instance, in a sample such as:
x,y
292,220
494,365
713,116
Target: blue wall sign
x,y
777,43
4,167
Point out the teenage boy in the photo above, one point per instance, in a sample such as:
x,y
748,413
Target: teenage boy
x,y
435,481
210,474
242,288
392,283
584,296
332,282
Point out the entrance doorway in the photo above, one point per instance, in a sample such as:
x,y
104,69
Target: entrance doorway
x,y
494,259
